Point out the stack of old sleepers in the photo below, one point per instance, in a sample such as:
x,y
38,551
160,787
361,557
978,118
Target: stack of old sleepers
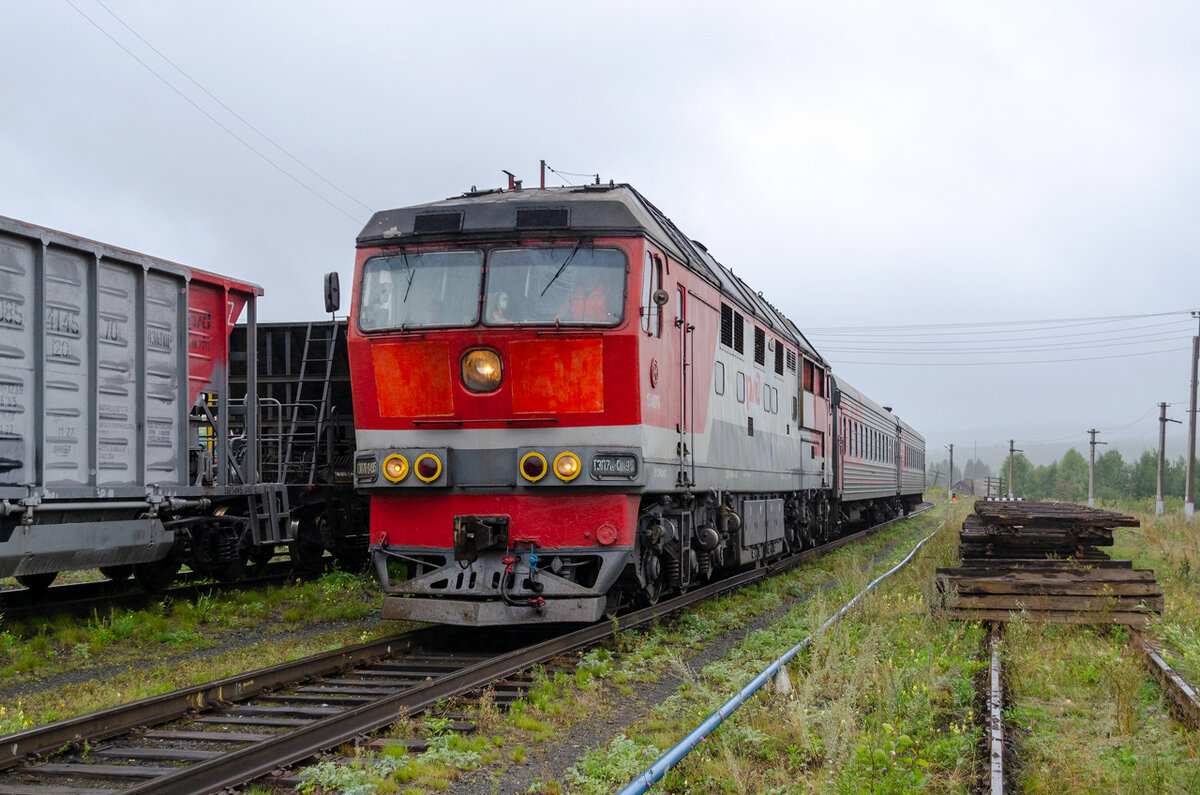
x,y
1044,558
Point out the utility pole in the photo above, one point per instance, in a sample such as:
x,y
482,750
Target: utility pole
x,y
1011,491
1162,455
1092,470
950,477
1189,483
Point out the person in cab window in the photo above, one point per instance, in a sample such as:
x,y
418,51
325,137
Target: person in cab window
x,y
499,304
592,302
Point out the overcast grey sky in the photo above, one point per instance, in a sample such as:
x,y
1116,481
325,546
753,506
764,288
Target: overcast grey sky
x,y
864,164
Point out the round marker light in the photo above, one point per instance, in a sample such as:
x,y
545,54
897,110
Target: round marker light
x,y
567,466
428,467
481,370
533,466
395,468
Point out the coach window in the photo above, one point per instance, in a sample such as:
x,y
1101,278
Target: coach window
x,y
741,387
719,378
651,282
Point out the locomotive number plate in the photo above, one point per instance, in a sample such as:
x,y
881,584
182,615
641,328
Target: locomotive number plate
x,y
614,466
366,468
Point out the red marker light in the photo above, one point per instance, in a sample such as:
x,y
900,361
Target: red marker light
x,y
428,467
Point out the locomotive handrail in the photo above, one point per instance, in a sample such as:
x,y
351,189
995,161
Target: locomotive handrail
x,y
674,755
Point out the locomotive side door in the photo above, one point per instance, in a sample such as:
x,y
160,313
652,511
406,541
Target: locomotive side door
x,y
683,331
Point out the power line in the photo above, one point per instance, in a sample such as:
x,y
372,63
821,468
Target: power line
x,y
208,115
995,364
971,336
231,111
1072,322
1005,349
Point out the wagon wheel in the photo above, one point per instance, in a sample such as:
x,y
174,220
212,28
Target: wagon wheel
x,y
37,582
307,550
261,556
157,574
117,573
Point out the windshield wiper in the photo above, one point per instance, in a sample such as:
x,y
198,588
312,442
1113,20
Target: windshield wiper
x,y
562,267
411,274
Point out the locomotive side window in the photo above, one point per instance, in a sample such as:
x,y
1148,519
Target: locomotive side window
x,y
719,378
555,285
741,387
760,346
433,288
651,281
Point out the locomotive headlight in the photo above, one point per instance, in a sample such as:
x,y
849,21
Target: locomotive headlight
x,y
428,467
567,466
481,371
533,466
395,467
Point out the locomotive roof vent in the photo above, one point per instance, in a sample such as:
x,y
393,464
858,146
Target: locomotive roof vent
x,y
542,218
437,223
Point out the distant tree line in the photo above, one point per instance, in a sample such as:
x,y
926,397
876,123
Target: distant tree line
x,y
1067,478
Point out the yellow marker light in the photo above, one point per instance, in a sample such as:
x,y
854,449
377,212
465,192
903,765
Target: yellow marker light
x,y
481,371
395,467
533,466
428,467
567,466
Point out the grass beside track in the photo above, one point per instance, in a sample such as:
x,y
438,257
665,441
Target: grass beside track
x,y
122,655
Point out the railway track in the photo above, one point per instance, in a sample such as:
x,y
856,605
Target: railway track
x,y
81,599
222,734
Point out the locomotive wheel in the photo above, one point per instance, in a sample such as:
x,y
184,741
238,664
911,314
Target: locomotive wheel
x,y
37,582
157,574
117,573
650,593
613,601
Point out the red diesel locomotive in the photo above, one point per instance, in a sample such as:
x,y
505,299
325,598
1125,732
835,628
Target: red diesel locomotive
x,y
562,404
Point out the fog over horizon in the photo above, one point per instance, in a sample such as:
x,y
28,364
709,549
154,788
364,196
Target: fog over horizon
x,y
982,216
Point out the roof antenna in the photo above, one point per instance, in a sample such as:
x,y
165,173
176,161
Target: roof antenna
x,y
512,179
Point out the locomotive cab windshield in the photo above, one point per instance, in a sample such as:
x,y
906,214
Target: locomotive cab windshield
x,y
528,285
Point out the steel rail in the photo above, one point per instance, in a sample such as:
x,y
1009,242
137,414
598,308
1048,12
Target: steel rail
x,y
261,758
23,605
995,717
113,721
1184,701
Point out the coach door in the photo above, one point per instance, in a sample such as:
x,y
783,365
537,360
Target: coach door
x,y
687,466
